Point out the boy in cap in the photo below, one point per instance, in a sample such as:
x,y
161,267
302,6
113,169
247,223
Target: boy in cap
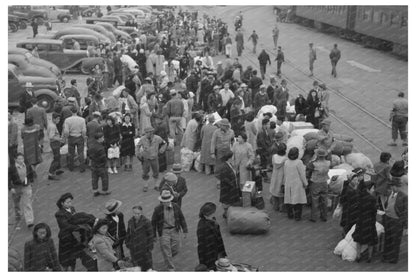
x,y
174,182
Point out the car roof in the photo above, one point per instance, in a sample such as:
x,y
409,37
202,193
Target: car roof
x,y
18,50
91,37
40,41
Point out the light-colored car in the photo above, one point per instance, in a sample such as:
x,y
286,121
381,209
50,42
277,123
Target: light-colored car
x,y
28,69
118,33
76,31
54,12
98,29
66,59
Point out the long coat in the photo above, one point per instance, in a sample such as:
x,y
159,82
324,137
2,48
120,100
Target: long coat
x,y
206,136
277,175
243,153
221,144
365,230
69,248
105,252
145,116
251,132
31,147
117,231
190,135
139,240
349,203
229,188
295,181
210,243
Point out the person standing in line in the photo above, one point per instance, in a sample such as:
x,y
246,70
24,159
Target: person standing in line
x,y
75,132
264,142
30,134
395,222
206,135
280,58
39,117
98,157
40,252
55,141
254,38
167,222
94,127
127,131
275,36
334,56
147,150
116,226
263,59
20,185
210,242
399,118
317,173
112,142
175,110
139,239
312,58
277,181
176,187
228,43
239,39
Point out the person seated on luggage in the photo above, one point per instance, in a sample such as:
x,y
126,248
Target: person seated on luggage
x,y
326,138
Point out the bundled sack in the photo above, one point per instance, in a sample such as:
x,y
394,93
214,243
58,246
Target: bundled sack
x,y
197,163
359,160
345,166
299,142
335,160
342,148
247,221
216,116
297,125
336,180
307,134
187,158
343,138
310,145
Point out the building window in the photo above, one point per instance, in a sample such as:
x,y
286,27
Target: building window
x,y
395,19
377,17
404,21
367,14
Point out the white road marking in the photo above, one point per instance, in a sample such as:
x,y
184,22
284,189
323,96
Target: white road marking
x,y
363,67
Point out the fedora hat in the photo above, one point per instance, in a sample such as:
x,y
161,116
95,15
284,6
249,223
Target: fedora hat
x,y
170,177
321,152
224,122
112,206
165,196
28,85
177,168
224,265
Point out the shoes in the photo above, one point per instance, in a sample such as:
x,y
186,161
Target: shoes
x,y
144,189
110,171
82,170
97,193
312,220
392,144
105,193
53,177
115,170
59,172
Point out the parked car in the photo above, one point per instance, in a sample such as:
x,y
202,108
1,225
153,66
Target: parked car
x,y
118,33
37,61
89,11
139,14
22,22
29,13
13,24
54,12
26,68
76,31
66,59
83,40
98,29
120,21
47,90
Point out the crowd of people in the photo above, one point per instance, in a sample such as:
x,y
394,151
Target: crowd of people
x,y
170,94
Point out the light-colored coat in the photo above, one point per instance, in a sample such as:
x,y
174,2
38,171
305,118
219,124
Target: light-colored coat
x,y
295,182
251,132
278,174
243,154
190,136
206,135
145,115
105,252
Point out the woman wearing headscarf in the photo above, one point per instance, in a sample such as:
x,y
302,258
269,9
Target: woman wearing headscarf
x,y
210,242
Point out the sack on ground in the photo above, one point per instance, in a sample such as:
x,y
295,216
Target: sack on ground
x,y
247,221
311,145
187,158
359,160
307,134
342,148
197,163
343,137
336,180
335,160
298,142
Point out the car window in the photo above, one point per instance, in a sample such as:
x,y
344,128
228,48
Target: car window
x,y
42,47
55,47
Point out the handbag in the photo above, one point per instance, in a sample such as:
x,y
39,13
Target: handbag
x,y
258,201
317,113
113,152
337,212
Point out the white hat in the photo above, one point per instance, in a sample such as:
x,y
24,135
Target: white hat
x,y
141,51
165,196
28,85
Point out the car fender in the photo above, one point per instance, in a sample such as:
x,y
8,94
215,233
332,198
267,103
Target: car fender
x,y
44,91
91,62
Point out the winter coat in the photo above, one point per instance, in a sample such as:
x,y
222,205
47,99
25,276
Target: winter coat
x,y
277,179
105,252
295,182
251,132
145,116
349,202
41,254
117,231
210,243
158,220
189,137
365,230
31,145
243,154
139,238
180,188
229,188
206,135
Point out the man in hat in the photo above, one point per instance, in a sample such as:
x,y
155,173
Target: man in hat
x,y
247,75
98,157
207,87
175,183
148,149
312,58
116,226
254,84
263,59
394,222
226,96
248,99
399,118
280,58
94,127
317,172
175,110
264,142
261,99
192,81
25,101
281,97
39,117
73,92
326,137
221,141
167,222
75,132
239,39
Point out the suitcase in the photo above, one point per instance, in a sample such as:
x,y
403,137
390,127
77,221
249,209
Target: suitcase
x,y
248,193
247,221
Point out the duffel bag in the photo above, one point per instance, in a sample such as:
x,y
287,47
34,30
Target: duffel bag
x,y
307,134
359,160
298,142
311,145
343,138
342,148
247,221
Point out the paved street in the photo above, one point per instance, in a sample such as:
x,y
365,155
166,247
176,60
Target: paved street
x,y
289,245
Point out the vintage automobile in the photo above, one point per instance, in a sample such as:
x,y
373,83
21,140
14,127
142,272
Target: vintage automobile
x,y
98,29
89,11
120,20
28,69
47,90
83,40
21,21
54,12
117,33
29,13
13,24
137,12
53,50
76,31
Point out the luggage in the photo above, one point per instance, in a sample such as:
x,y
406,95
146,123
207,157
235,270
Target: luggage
x,y
298,142
343,138
247,221
311,145
359,160
336,180
258,201
342,148
335,160
197,163
248,193
187,158
297,125
307,134
345,166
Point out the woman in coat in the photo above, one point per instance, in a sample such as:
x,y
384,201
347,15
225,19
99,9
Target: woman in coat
x,y
111,139
365,229
139,239
349,200
295,183
236,116
210,243
243,158
313,105
206,135
151,63
40,252
130,107
382,177
251,130
30,133
229,189
190,136
127,148
103,246
277,180
145,113
300,105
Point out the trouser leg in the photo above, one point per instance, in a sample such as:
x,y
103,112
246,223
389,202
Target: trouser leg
x,y
55,146
16,201
165,246
27,204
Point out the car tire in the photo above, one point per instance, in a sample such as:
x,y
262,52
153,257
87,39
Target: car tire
x,y
84,70
22,25
13,27
65,19
46,102
89,14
